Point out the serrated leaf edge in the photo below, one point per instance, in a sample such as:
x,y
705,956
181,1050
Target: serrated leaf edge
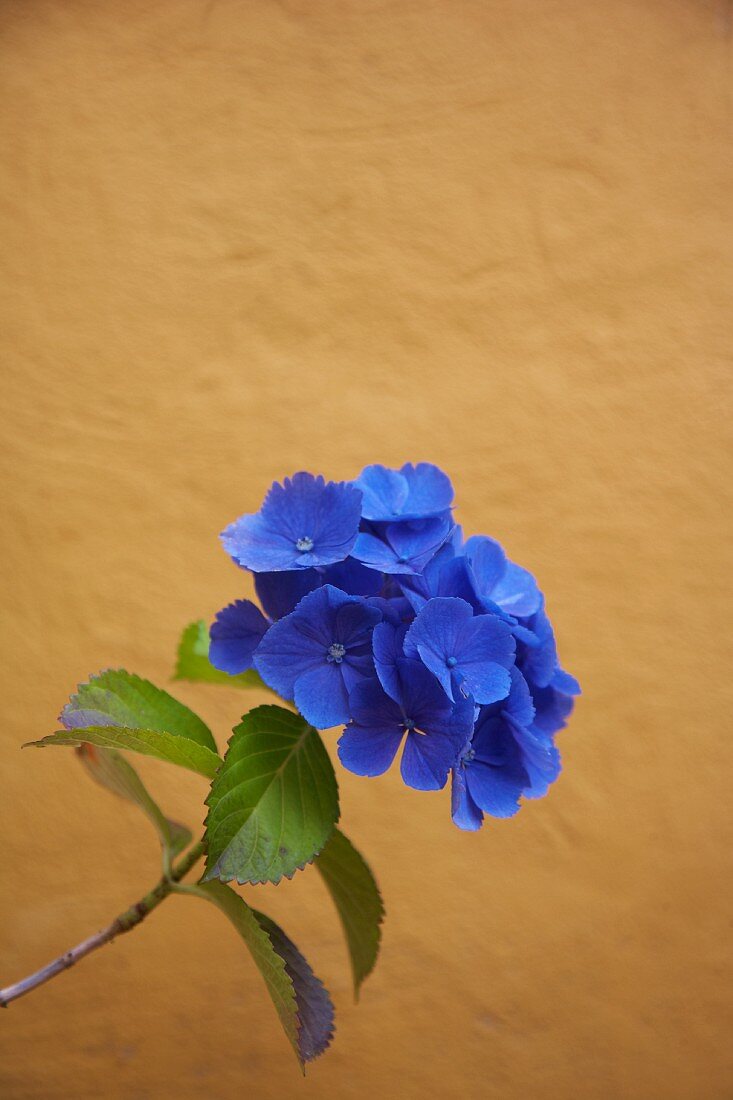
x,y
212,875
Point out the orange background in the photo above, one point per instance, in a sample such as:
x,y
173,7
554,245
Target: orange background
x,y
245,238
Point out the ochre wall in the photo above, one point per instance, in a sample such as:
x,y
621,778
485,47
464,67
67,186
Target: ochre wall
x,y
244,238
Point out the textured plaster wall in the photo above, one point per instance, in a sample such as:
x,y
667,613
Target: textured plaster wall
x,y
242,238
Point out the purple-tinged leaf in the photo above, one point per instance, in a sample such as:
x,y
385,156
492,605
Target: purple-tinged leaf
x,y
300,999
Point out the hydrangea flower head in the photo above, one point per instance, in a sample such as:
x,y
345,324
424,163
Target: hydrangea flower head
x,y
302,523
380,617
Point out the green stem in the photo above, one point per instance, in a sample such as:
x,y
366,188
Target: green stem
x,y
125,922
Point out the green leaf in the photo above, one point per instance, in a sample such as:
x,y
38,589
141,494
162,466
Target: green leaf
x,y
117,710
112,771
193,662
164,746
274,802
356,896
119,698
302,1003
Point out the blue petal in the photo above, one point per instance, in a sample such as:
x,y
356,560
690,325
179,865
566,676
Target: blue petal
x,y
395,610
422,697
356,667
371,707
496,776
495,790
235,634
281,592
321,696
254,545
426,760
337,522
538,662
454,579
484,654
540,759
429,490
387,643
562,681
403,547
374,552
353,577
517,592
518,705
353,621
552,708
367,751
416,591
522,633
464,811
487,562
384,492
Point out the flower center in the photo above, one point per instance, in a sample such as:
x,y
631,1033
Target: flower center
x,y
304,544
468,756
451,662
336,653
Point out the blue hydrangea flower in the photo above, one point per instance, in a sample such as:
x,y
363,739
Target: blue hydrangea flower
x,y
469,655
378,615
413,492
433,728
491,773
318,653
302,523
235,634
403,547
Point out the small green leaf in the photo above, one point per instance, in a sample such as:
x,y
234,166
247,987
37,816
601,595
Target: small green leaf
x,y
302,1003
193,662
274,802
356,896
122,699
117,710
165,746
112,771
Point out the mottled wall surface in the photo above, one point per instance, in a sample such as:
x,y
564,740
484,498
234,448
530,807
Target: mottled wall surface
x,y
243,238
